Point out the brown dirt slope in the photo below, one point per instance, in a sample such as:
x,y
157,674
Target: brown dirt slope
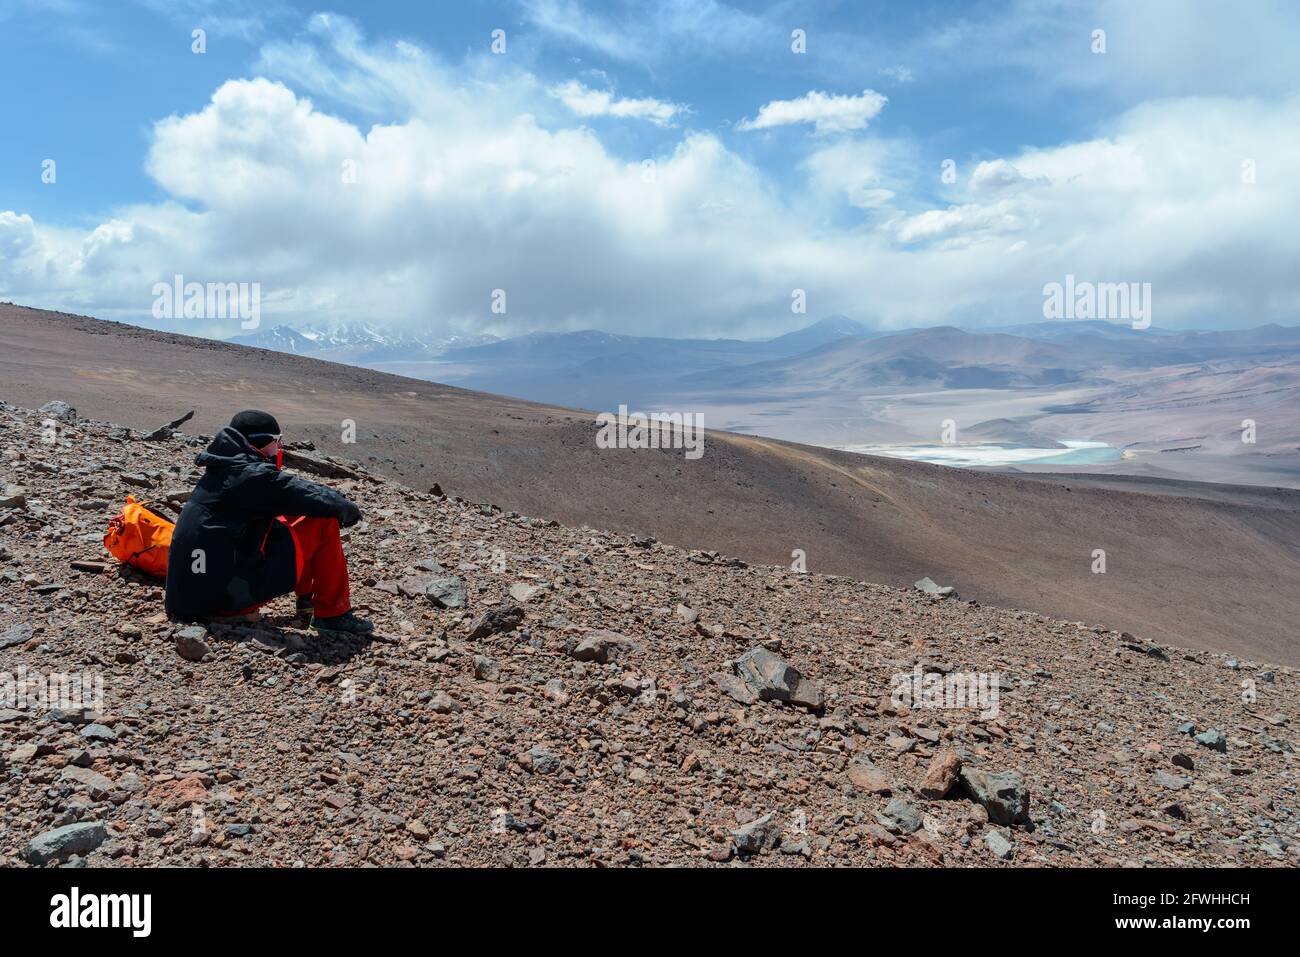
x,y
553,742
1219,572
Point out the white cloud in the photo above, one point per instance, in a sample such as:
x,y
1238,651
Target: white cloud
x,y
584,101
998,175
475,181
963,224
828,113
865,172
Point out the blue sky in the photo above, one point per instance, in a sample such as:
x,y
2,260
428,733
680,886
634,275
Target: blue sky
x,y
125,65
772,170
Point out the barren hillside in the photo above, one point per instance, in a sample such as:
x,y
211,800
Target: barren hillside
x,y
1218,572
544,695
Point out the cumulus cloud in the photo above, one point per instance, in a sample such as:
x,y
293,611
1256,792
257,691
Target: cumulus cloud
x,y
470,183
437,217
960,225
865,172
584,101
998,175
828,113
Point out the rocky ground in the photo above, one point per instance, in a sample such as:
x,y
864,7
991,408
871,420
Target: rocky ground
x,y
541,695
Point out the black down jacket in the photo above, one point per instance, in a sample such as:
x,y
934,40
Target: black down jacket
x,y
228,551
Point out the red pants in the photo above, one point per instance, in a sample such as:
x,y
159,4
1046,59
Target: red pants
x,y
322,571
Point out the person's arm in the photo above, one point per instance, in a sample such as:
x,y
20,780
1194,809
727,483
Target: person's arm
x,y
280,493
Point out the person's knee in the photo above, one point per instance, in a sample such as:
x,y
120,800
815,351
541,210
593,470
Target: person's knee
x,y
321,523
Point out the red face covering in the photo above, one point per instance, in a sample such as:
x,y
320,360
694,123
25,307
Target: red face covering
x,y
273,450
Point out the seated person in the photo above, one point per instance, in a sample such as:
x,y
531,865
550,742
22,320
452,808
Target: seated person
x,y
250,533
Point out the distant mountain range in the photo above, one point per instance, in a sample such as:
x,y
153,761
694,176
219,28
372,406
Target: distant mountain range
x,y
356,343
566,368
600,370
1171,403
371,342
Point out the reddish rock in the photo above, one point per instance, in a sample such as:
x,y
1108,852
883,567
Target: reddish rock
x,y
941,775
180,793
867,777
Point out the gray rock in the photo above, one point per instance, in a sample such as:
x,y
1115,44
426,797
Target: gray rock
x,y
445,591
1274,846
81,838
69,715
933,589
1002,793
801,848
24,753
448,591
734,688
1212,739
495,621
1175,782
190,643
554,691
16,635
97,784
1002,848
58,409
99,732
443,703
598,646
485,669
774,679
12,496
759,835
899,817
523,592
542,760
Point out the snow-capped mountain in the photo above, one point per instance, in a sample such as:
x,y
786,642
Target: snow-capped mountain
x,y
356,342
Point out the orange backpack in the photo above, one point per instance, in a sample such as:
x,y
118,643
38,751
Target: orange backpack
x,y
140,538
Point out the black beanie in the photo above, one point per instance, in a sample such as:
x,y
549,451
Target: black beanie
x,y
252,422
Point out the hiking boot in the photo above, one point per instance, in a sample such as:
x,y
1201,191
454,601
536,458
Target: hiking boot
x,y
346,624
305,610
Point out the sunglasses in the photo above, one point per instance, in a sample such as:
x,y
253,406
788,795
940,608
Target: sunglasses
x,y
260,440
268,446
